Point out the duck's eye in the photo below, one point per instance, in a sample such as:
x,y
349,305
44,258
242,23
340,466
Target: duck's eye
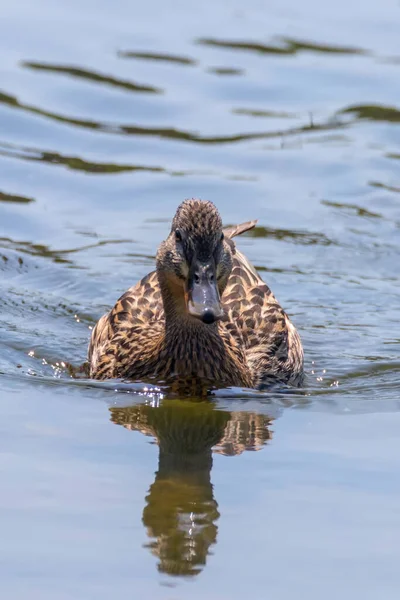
x,y
222,237
178,235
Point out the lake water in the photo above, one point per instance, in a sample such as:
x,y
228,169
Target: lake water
x,y
110,115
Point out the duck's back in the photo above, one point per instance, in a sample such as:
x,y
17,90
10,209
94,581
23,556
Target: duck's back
x,y
255,318
122,336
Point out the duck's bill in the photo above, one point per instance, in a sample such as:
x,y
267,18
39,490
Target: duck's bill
x,y
202,295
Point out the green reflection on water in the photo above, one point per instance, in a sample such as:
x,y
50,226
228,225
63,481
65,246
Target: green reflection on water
x,y
284,46
169,133
4,197
181,513
157,57
295,236
374,112
75,163
92,76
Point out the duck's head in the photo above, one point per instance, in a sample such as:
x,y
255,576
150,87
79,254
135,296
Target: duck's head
x,y
194,262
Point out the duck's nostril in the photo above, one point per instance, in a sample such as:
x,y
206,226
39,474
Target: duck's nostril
x,y
208,316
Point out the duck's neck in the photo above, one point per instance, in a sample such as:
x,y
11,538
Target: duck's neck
x,y
193,349
178,324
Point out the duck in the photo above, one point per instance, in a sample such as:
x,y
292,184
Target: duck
x,y
202,320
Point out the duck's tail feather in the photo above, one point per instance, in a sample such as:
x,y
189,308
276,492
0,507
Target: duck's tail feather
x,y
235,230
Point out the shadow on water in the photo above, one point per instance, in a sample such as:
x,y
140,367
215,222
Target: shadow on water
x,y
181,512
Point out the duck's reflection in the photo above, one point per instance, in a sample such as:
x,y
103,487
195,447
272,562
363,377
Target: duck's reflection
x,y
181,512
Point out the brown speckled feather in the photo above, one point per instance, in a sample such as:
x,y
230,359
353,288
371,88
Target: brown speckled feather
x,y
255,318
121,337
254,345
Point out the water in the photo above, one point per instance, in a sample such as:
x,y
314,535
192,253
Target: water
x,y
110,115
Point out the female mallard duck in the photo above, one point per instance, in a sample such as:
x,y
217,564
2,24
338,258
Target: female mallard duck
x,y
203,319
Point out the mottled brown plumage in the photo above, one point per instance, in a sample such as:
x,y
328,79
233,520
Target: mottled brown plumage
x,y
169,327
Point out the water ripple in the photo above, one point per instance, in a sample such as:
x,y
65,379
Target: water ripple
x,y
283,46
297,237
74,163
4,197
373,112
92,76
171,133
58,256
158,57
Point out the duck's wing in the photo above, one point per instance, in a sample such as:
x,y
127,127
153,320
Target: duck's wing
x,y
136,318
253,315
